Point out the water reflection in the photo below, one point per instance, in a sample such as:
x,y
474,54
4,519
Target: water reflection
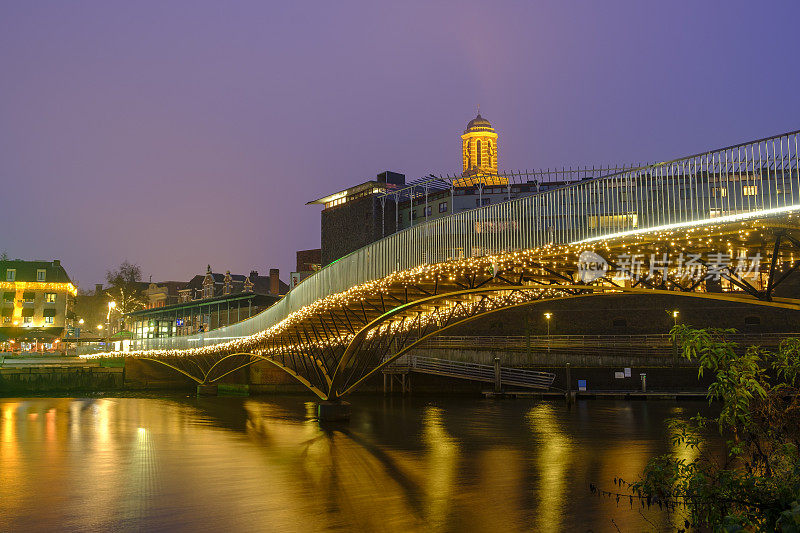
x,y
552,465
262,464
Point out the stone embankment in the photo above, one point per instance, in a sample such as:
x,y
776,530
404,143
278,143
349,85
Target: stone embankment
x,y
32,374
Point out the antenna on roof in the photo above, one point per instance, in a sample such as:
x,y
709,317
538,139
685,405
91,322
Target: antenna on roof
x,y
479,109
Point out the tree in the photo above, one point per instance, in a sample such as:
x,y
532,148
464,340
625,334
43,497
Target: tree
x,y
125,287
4,256
754,484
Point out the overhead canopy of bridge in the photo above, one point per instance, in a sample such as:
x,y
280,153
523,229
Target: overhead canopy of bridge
x,y
732,213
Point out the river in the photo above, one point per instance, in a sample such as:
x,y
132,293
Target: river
x,y
230,464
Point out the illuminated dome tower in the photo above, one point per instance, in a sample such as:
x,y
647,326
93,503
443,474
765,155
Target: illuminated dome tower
x,y
479,153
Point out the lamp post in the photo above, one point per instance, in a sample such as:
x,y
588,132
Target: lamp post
x,y
111,305
674,341
547,317
78,339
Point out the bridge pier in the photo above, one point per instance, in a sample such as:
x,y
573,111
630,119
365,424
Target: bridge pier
x,y
207,390
337,411
401,376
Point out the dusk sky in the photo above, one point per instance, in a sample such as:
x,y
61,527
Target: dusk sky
x,y
180,134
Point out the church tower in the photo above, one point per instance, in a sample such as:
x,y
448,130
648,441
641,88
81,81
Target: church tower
x,y
479,153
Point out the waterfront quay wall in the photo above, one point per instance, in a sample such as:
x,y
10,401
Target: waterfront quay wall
x,y
30,378
260,377
600,370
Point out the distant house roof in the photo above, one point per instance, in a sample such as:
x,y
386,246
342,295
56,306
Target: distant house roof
x,y
256,300
26,270
261,284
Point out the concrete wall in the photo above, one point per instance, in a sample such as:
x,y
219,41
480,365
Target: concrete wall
x,y
630,314
44,379
555,359
265,377
140,374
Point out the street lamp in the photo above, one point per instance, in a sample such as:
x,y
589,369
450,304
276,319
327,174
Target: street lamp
x,y
547,317
674,340
111,305
78,339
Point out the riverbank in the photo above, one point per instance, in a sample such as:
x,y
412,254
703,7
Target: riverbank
x,y
31,376
40,374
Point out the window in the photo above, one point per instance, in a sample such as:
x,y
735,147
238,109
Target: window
x,y
443,207
11,274
614,221
482,201
41,274
8,296
620,322
27,320
28,297
49,320
6,320
50,297
478,150
752,320
750,190
427,210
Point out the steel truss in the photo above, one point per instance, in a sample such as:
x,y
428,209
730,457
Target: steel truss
x,y
335,352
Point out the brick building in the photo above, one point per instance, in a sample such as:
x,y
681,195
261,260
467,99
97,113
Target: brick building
x,y
356,216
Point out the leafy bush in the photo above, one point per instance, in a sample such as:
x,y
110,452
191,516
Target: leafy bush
x,y
754,484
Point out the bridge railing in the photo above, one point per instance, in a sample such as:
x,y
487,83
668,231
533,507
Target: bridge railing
x,y
746,180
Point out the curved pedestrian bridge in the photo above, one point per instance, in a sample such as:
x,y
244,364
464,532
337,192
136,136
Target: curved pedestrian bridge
x,y
719,225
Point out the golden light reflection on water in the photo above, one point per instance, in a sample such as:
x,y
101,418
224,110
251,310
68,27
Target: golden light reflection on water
x,y
553,461
441,466
251,464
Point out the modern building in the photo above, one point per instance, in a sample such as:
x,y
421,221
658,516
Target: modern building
x,y
207,301
36,301
357,216
365,213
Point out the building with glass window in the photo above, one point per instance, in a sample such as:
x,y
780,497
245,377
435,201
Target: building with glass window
x,y
207,301
354,217
36,299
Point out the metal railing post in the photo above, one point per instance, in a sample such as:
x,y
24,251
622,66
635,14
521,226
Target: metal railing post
x,y
498,385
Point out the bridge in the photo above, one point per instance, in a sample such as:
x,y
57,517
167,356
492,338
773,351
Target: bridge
x,y
720,225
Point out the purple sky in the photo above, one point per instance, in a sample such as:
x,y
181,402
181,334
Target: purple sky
x,y
177,134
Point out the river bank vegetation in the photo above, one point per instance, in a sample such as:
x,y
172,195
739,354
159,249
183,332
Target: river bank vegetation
x,y
754,484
